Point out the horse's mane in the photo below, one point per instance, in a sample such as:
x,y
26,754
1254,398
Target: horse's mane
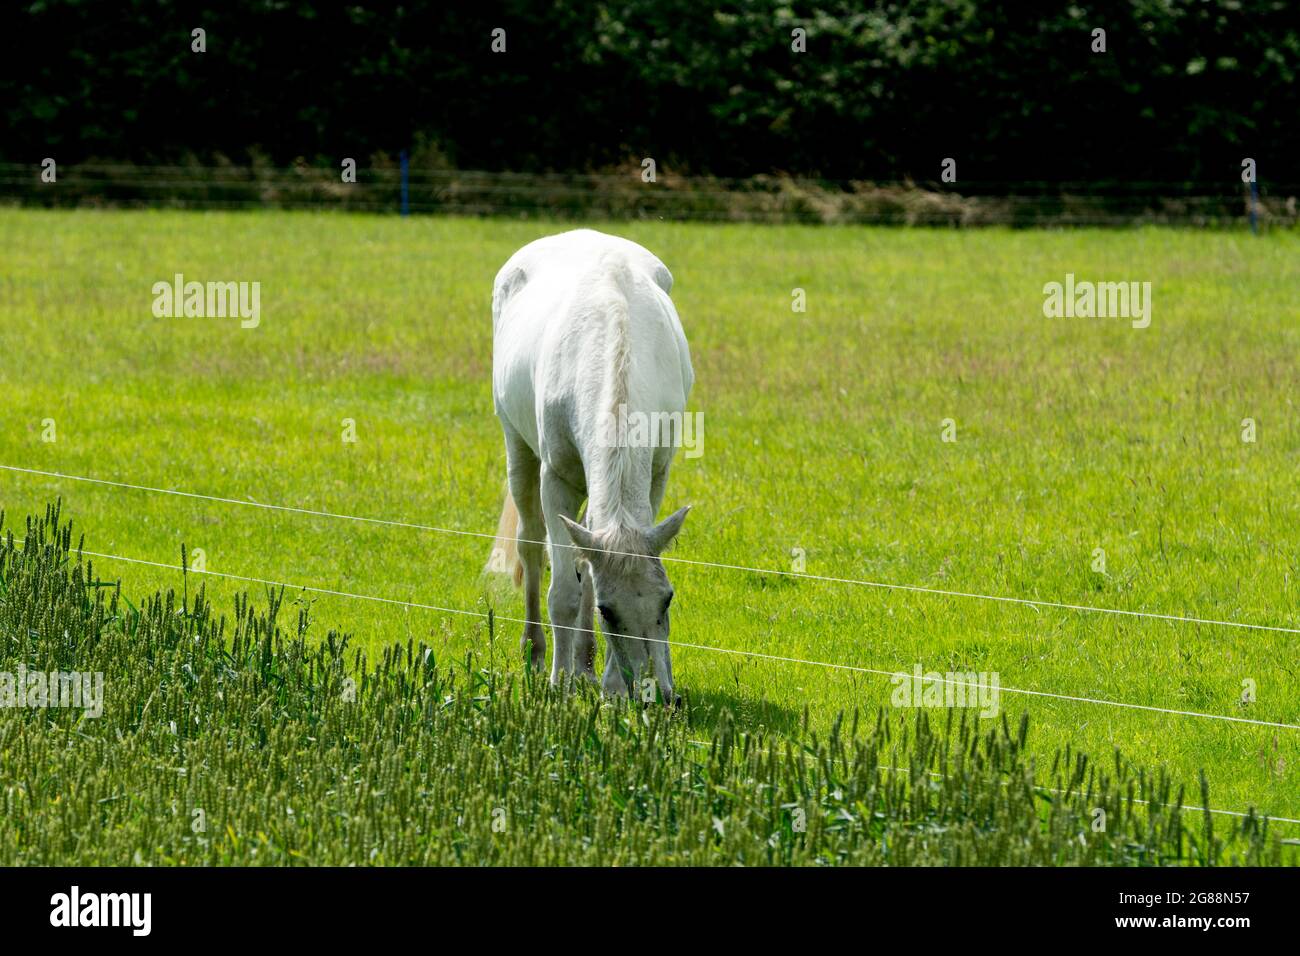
x,y
615,468
620,278
626,549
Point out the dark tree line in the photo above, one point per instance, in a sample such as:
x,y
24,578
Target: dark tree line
x,y
1184,90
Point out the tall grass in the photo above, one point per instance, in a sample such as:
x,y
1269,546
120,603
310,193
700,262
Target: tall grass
x,y
239,739
619,194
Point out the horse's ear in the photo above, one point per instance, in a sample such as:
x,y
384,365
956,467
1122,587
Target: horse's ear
x,y
582,538
662,534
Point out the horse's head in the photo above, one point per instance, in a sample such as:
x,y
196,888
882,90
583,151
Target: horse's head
x,y
633,596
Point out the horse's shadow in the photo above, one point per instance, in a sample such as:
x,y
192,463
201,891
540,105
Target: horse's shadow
x,y
705,708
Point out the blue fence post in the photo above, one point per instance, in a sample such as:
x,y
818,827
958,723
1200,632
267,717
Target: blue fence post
x,y
406,193
1254,207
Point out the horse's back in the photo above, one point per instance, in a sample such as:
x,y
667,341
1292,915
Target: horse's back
x,y
563,260
554,304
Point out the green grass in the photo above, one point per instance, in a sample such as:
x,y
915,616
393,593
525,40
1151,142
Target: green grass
x,y
246,739
822,433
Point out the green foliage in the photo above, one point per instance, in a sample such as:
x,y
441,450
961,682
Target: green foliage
x,y
1184,90
238,741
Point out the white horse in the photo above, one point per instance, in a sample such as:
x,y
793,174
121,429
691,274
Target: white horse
x,y
584,333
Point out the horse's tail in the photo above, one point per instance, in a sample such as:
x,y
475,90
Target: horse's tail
x,y
505,549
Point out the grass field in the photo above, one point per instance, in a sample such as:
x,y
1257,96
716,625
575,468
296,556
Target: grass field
x,y
250,739
823,433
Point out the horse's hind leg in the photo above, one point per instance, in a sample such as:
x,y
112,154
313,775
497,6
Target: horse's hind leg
x,y
525,487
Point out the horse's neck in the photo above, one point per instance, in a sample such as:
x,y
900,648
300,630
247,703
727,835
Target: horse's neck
x,y
619,488
619,482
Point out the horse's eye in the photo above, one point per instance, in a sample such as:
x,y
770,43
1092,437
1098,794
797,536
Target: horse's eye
x,y
668,600
606,613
